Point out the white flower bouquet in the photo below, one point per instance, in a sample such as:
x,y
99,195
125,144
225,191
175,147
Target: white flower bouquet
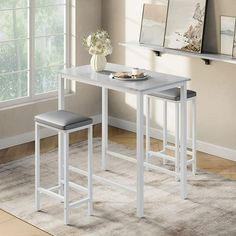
x,y
98,43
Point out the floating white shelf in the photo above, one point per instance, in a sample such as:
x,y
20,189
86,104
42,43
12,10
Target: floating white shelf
x,y
207,57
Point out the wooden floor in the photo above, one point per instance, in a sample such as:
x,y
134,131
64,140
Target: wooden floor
x,y
10,225
13,226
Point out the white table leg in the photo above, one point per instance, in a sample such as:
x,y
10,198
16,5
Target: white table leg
x,y
140,155
164,129
104,127
194,129
90,170
183,144
37,167
177,146
148,141
61,106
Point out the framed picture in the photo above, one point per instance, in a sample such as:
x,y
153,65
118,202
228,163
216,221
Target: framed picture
x,y
227,32
185,25
153,23
234,44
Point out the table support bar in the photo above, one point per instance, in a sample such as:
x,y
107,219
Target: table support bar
x,y
101,179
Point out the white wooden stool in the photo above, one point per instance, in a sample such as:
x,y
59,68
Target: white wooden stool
x,y
171,95
64,123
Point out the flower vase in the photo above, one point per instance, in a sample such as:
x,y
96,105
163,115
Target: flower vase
x,y
98,62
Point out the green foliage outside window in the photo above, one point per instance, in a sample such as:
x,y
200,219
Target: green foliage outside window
x,y
14,52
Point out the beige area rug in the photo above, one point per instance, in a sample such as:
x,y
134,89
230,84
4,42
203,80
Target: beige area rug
x,y
209,210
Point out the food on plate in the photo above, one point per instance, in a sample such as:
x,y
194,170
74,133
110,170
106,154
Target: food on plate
x,y
128,75
140,75
122,75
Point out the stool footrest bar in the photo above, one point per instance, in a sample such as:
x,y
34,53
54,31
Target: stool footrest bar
x,y
54,188
189,162
162,156
78,203
170,147
77,187
161,169
190,153
78,171
51,194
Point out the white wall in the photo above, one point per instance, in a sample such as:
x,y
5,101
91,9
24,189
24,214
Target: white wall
x,y
215,84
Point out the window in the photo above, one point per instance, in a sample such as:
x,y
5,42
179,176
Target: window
x,y
32,48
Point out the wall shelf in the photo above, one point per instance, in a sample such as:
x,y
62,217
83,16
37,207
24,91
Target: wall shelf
x,y
206,57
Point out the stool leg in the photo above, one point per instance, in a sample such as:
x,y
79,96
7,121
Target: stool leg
x,y
37,166
60,162
66,178
177,146
90,170
164,128
194,151
147,101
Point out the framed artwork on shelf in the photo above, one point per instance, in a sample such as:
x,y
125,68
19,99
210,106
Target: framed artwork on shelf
x,y
185,25
227,34
234,43
153,24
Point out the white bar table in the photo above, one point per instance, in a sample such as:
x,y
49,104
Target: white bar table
x,y
156,81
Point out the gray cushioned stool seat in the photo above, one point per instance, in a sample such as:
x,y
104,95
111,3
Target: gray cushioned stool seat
x,y
173,94
63,120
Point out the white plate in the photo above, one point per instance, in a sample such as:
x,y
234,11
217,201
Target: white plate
x,y
131,79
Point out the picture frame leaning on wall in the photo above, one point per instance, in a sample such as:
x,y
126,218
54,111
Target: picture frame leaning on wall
x,y
234,42
153,23
185,25
227,34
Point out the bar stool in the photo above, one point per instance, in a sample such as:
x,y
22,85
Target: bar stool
x,y
64,122
173,96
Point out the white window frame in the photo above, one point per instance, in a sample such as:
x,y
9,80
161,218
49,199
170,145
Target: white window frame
x,y
31,97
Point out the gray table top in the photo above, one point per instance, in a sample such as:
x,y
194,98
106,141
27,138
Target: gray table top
x,y
85,74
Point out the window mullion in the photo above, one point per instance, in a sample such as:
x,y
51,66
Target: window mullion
x,y
67,38
67,33
31,48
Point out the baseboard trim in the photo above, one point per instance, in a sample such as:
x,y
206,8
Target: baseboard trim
x,y
222,152
29,136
